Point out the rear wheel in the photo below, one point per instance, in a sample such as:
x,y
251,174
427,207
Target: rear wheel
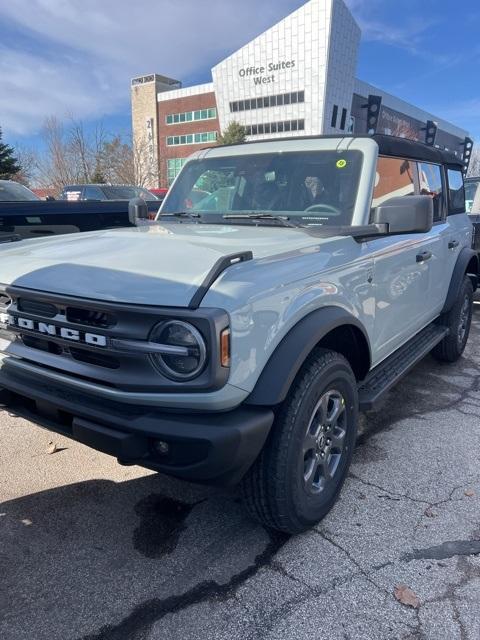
x,y
458,321
300,472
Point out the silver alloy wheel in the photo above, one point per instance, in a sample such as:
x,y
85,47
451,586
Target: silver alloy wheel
x,y
464,318
324,441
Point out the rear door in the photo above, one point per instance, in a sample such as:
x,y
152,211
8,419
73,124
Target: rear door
x,y
432,183
459,229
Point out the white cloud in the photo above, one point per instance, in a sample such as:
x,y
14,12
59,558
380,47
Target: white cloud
x,y
84,52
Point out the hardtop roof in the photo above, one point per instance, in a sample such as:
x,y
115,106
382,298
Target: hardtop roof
x,y
388,146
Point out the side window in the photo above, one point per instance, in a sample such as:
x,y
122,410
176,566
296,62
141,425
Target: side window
x,y
92,193
395,178
430,180
456,191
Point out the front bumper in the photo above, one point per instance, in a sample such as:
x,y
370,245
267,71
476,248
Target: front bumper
x,y
214,448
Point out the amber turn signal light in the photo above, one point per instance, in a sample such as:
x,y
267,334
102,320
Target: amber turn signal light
x,y
225,348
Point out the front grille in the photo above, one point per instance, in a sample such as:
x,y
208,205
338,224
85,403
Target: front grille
x,y
36,308
81,355
92,357
42,345
90,317
81,339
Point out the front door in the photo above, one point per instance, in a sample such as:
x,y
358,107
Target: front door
x,y
402,265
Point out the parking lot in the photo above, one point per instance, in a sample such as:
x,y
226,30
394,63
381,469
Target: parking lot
x,y
92,550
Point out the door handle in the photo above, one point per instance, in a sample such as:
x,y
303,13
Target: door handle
x,y
453,244
424,256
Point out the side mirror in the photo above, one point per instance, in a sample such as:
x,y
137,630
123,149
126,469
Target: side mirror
x,y
50,199
408,214
137,210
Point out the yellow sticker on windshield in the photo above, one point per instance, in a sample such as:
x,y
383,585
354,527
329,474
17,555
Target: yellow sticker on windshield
x,y
341,164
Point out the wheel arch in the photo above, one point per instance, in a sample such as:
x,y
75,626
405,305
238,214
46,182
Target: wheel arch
x,y
467,264
331,328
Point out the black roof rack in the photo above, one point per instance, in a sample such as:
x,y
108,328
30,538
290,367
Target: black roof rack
x,y
405,148
388,146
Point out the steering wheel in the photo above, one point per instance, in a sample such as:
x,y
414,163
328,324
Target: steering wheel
x,y
320,208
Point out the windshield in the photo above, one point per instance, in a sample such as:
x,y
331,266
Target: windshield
x,y
126,193
470,193
14,192
309,188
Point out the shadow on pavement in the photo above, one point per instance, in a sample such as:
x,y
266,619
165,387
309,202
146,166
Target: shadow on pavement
x,y
100,559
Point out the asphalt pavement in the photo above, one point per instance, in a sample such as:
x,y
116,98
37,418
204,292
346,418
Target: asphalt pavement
x,y
90,550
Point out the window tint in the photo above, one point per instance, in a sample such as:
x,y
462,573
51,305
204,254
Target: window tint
x,y
11,191
310,186
456,191
395,178
430,182
93,193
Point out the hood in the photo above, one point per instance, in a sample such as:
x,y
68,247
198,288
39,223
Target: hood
x,y
157,265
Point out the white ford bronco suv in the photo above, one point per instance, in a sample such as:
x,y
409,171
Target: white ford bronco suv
x,y
285,286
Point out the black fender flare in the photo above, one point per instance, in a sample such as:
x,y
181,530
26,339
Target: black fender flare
x,y
285,362
465,258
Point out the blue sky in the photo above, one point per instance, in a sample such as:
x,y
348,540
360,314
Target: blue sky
x,y
76,57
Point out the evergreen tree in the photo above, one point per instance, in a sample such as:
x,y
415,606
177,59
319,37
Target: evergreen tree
x,y
235,133
98,176
9,165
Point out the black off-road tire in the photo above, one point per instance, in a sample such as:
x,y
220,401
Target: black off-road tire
x,y
458,321
276,490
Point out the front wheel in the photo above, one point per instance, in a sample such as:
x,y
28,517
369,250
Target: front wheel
x,y
458,321
300,472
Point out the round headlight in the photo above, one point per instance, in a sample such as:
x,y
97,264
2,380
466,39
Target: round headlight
x,y
185,351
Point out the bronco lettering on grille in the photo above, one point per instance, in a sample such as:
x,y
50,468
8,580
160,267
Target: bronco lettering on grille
x,y
54,330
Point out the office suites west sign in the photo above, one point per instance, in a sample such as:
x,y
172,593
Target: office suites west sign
x,y
265,74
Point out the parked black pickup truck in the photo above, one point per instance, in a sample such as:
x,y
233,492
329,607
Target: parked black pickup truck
x,y
32,219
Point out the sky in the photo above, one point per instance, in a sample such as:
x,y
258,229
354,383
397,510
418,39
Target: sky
x,y
75,58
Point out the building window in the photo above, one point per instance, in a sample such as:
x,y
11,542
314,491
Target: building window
x,y
191,116
275,127
343,120
268,101
334,116
192,138
173,168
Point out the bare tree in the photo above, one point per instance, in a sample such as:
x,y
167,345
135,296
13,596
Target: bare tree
x,y
54,167
71,155
74,156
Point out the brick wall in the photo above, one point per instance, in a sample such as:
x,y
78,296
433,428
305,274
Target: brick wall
x,y
182,105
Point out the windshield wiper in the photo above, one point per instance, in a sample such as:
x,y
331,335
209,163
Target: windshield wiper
x,y
179,214
284,220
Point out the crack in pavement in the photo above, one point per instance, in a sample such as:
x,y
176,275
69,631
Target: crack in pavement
x,y
286,608
393,495
137,625
353,560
